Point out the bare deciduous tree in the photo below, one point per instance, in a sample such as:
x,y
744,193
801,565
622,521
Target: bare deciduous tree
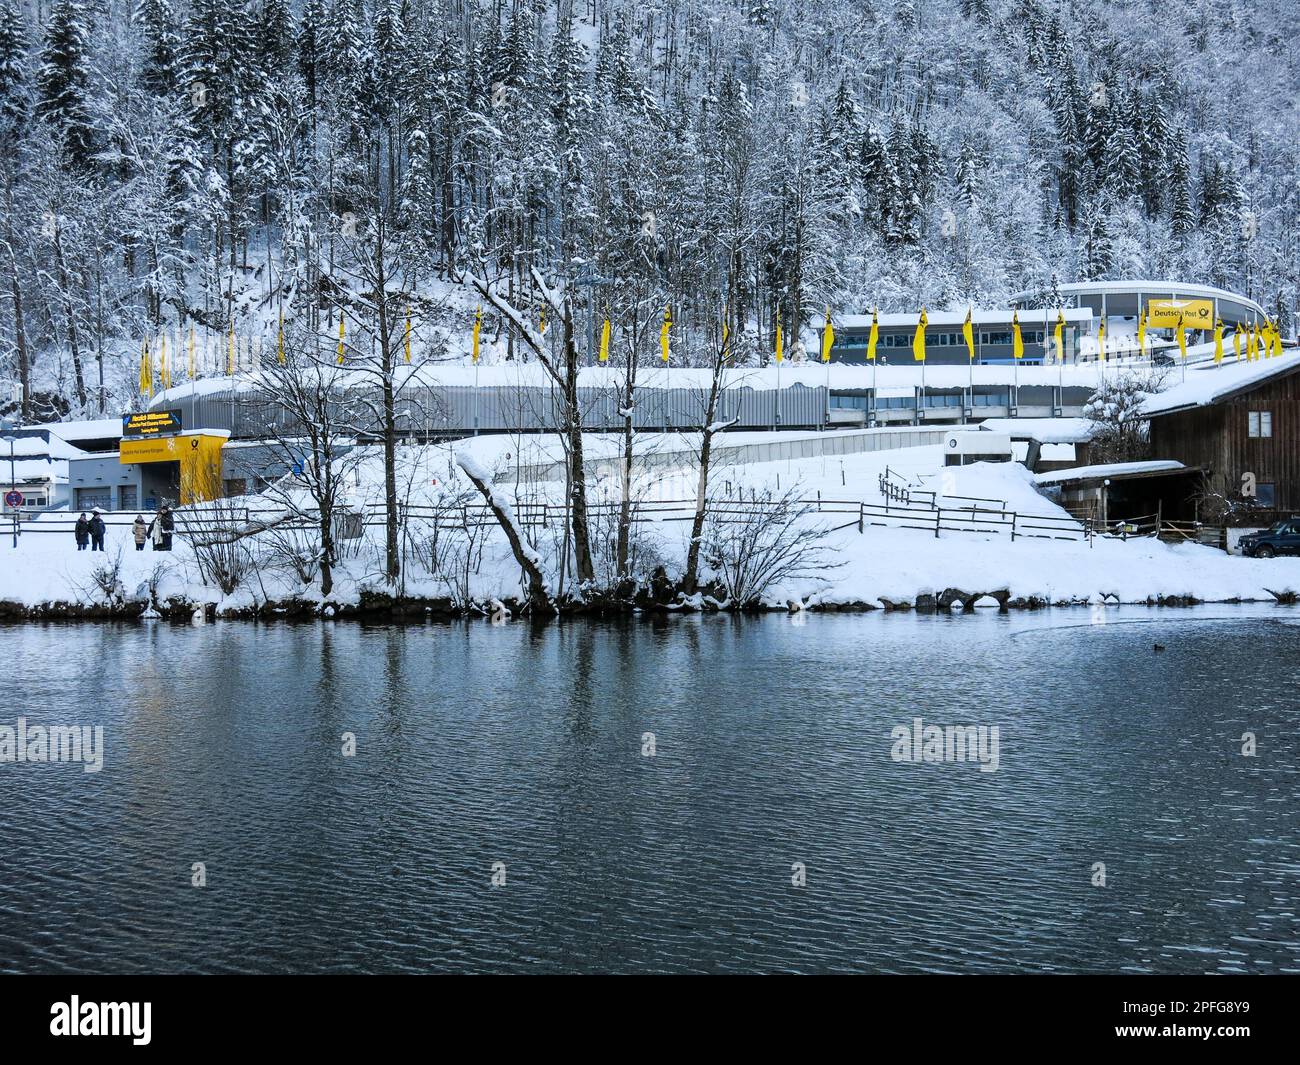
x,y
312,438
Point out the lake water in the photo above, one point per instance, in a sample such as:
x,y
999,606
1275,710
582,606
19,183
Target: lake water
x,y
479,744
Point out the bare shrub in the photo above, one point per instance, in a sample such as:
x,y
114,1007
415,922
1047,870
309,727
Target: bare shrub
x,y
295,549
218,534
762,540
106,578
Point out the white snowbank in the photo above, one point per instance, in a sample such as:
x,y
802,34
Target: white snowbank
x,y
879,562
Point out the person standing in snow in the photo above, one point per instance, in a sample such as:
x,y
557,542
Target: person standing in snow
x,y
96,530
168,521
162,528
140,531
82,532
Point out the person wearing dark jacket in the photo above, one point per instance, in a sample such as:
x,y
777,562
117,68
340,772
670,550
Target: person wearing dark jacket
x,y
82,532
96,531
161,529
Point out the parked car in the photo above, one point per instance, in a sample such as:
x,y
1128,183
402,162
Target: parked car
x,y
1280,538
1160,358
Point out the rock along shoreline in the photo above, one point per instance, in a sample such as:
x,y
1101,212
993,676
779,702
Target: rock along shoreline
x,y
373,607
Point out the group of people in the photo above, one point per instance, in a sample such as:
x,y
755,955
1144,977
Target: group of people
x,y
89,531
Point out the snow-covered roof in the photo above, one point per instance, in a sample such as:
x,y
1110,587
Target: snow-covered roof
x,y
96,429
899,372
1208,383
37,447
1044,430
980,316
1107,469
34,469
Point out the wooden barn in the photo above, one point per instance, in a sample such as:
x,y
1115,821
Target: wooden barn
x,y
1241,423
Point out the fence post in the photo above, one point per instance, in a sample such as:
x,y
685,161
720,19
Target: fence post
x,y
1013,526
862,519
938,517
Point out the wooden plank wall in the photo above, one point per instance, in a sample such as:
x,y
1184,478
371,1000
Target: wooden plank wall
x,y
1217,437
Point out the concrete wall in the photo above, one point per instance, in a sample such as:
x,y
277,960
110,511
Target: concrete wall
x,y
842,442
100,474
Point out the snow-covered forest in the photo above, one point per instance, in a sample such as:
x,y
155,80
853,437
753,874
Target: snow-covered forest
x,y
219,165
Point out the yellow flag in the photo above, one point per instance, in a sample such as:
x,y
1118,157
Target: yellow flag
x,y
191,353
873,336
342,331
164,364
726,337
478,324
279,340
1101,340
1142,332
664,331
541,326
230,350
968,331
1017,341
918,338
1218,340
1059,335
1236,341
407,338
1182,337
828,337
1275,339
146,371
1250,343
780,353
603,356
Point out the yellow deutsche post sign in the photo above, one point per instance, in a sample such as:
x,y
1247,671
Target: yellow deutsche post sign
x,y
199,456
1195,314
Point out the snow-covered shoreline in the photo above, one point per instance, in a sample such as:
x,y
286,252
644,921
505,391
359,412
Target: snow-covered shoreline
x,y
860,555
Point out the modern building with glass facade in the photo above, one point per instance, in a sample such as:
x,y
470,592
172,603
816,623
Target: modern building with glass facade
x,y
1122,301
946,346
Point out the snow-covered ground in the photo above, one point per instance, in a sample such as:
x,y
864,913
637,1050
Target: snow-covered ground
x,y
878,563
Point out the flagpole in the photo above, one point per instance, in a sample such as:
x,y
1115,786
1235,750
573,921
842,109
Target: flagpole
x,y
970,385
1060,362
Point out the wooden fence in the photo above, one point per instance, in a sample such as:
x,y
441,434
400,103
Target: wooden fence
x,y
201,522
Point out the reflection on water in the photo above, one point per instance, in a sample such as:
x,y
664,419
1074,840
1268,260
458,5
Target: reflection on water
x,y
479,744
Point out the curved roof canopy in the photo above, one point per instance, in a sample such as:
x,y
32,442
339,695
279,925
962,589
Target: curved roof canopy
x,y
1157,289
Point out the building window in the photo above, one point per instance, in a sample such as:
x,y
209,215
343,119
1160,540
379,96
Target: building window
x,y
1266,495
1259,423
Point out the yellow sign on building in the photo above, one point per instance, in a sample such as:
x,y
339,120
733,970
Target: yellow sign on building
x,y
1195,314
199,456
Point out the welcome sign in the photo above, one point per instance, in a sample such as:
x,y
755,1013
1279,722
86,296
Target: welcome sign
x,y
151,423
